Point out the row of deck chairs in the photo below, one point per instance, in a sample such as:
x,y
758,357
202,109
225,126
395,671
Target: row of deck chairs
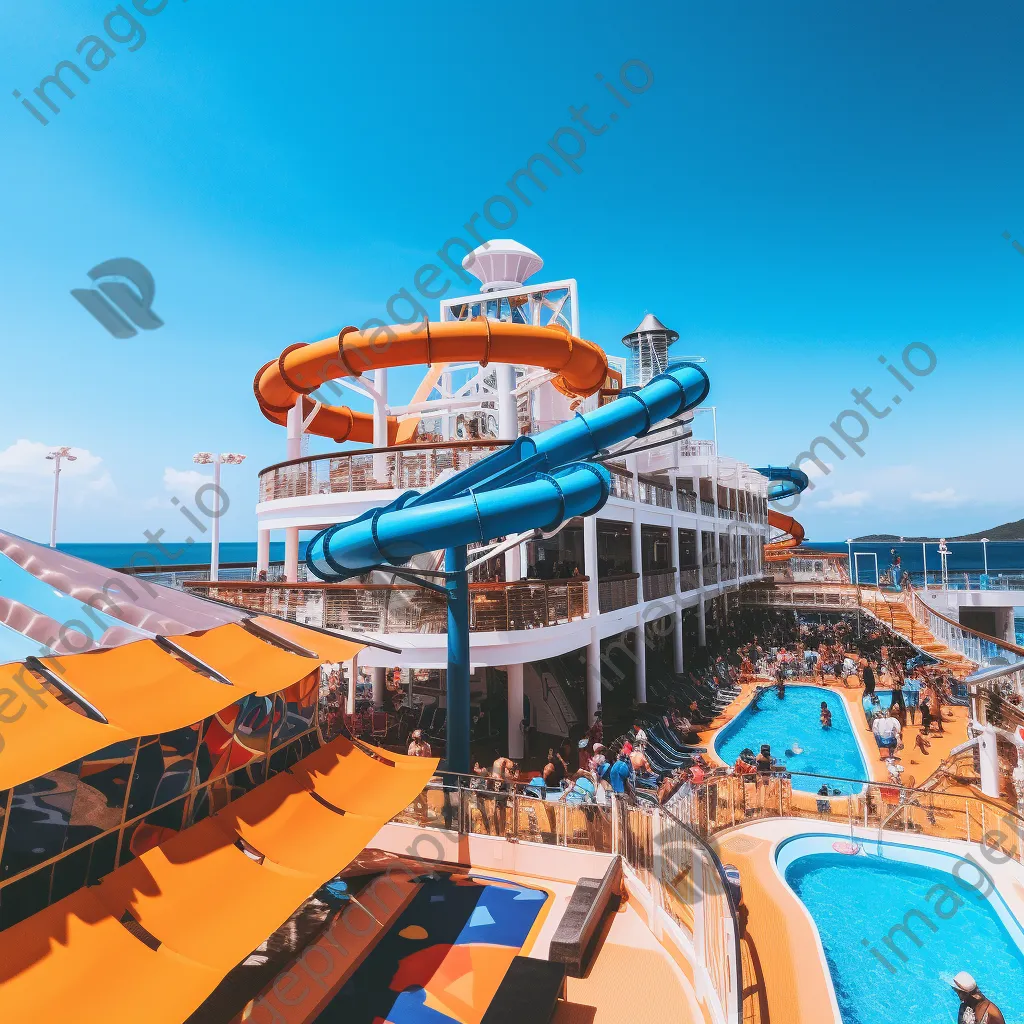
x,y
666,750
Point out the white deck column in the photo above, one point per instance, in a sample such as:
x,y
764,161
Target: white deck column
x,y
590,565
291,554
989,758
702,626
379,686
673,536
262,551
515,711
677,641
514,564
353,674
641,663
508,416
291,535
380,424
700,552
593,675
638,557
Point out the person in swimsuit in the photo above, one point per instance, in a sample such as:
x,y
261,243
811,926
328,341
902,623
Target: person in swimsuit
x,y
974,1007
826,716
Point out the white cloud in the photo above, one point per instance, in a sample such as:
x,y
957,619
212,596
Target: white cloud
x,y
814,473
845,499
184,481
947,496
26,475
28,459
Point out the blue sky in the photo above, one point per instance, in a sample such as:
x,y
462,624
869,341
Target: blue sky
x,y
803,188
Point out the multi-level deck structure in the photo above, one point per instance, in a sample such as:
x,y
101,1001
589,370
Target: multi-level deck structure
x,y
683,528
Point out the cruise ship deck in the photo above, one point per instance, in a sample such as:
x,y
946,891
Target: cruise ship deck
x,y
525,725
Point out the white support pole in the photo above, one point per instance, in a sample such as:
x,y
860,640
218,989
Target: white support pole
x,y
590,566
638,557
514,564
700,554
677,641
593,675
702,626
353,676
291,554
673,537
56,491
293,445
215,533
262,551
515,711
379,686
989,761
593,604
380,424
508,418
641,663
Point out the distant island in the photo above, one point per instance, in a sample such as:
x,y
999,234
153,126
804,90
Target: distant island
x,y
1008,531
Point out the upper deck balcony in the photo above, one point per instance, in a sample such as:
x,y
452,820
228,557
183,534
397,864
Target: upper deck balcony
x,y
415,466
321,490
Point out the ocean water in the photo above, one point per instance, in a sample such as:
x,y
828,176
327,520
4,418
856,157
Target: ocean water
x,y
964,556
118,556
1003,556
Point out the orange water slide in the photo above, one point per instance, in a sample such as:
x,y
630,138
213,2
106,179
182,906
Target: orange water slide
x,y
581,367
779,550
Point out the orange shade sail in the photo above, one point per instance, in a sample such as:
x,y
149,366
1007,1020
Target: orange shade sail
x,y
206,902
246,660
142,690
38,733
328,648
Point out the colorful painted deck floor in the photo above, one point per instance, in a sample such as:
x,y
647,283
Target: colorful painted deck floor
x,y
444,958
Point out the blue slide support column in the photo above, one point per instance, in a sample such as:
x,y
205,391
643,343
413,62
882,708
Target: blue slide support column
x,y
457,721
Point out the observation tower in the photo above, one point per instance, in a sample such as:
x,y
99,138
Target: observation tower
x,y
648,346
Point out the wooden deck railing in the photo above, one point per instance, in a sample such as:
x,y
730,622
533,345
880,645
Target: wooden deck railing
x,y
415,466
384,608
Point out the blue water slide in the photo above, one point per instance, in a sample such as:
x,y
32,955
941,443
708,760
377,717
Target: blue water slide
x,y
539,481
396,534
516,489
786,482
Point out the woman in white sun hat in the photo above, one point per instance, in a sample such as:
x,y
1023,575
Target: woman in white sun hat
x,y
974,1007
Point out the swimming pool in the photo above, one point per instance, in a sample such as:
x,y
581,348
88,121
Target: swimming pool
x,y
896,922
791,725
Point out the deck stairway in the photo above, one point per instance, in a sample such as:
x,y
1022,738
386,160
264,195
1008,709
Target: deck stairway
x,y
893,611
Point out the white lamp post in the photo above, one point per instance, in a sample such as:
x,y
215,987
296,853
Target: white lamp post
x,y
216,460
55,456
984,552
849,557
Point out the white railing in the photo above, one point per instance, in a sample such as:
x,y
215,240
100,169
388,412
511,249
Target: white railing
x,y
972,645
696,448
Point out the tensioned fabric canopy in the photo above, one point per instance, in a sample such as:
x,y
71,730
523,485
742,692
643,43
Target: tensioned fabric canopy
x,y
138,658
203,900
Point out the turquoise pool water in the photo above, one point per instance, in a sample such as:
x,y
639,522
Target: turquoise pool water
x,y
792,724
861,898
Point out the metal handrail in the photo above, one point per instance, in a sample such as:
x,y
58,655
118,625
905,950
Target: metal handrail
x,y
419,447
